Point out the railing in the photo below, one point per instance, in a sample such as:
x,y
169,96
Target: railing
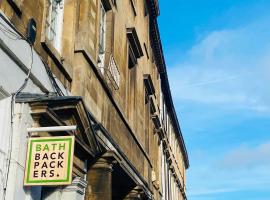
x,y
111,71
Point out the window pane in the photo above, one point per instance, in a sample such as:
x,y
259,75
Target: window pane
x,y
54,20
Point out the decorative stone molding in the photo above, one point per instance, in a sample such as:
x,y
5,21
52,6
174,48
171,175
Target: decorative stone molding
x,y
99,177
135,194
103,164
134,42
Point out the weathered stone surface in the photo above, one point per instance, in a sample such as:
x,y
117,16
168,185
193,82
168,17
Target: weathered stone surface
x,y
124,113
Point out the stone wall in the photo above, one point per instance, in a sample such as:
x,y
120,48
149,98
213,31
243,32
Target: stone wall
x,y
122,111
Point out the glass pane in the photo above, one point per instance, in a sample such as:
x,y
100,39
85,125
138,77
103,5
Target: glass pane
x,y
102,30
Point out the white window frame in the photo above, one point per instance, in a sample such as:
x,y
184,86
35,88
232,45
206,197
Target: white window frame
x,y
161,105
102,39
54,22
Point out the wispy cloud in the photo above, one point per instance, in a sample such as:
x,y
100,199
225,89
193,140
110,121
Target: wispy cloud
x,y
204,192
209,82
245,168
246,157
227,67
223,77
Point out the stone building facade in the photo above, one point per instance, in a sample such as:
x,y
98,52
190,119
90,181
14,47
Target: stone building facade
x,y
97,64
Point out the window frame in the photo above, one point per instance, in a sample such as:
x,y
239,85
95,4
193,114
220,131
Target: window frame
x,y
56,56
54,25
102,40
146,11
131,57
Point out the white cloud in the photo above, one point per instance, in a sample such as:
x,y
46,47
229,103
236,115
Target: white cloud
x,y
224,74
245,168
246,157
228,67
204,192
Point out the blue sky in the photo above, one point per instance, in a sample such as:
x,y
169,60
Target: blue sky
x,y
218,59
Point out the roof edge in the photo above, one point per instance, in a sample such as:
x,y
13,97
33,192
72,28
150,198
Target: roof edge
x,y
161,64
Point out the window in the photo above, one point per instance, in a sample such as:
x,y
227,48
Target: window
x,y
54,22
131,81
102,38
134,52
132,60
145,9
135,49
161,103
147,117
146,51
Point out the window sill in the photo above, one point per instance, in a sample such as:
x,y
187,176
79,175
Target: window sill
x,y
86,54
64,67
94,65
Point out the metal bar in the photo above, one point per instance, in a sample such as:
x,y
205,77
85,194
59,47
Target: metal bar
x,y
52,129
